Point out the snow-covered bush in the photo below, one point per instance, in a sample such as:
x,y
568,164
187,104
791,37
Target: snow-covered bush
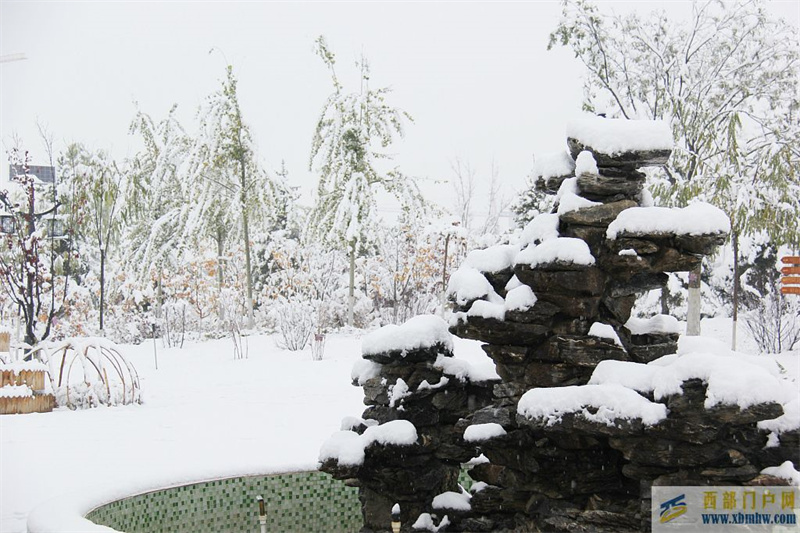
x,y
775,322
88,372
296,322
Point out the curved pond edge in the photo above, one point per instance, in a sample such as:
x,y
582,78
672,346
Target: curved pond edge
x,y
67,513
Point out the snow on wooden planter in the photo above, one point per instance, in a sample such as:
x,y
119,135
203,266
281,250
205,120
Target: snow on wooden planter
x,y
22,389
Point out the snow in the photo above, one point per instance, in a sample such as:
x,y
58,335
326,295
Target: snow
x,y
456,501
443,381
16,391
24,366
363,370
492,259
512,284
614,136
572,202
604,331
204,416
422,331
481,432
611,401
565,250
788,421
478,486
520,298
730,379
477,368
467,284
785,471
627,252
398,391
485,309
585,164
696,219
541,228
654,324
348,447
569,185
553,165
425,523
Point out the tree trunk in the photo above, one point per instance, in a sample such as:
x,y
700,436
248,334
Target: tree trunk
x,y
248,272
220,275
665,299
693,311
102,287
735,245
444,272
351,292
246,230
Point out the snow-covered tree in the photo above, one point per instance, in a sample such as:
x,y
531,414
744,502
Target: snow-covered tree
x,y
225,157
350,136
26,275
159,211
728,84
102,184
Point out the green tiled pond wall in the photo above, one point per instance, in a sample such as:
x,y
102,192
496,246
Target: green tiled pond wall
x,y
301,502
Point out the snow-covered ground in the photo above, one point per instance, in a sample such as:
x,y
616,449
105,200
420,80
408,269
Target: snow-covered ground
x,y
204,415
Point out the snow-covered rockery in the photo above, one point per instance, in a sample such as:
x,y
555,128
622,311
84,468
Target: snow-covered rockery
x,y
594,405
408,445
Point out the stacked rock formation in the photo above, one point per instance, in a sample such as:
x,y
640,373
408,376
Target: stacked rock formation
x,y
414,388
593,407
578,457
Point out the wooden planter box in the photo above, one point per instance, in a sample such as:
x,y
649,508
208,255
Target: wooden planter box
x,y
38,403
17,405
32,378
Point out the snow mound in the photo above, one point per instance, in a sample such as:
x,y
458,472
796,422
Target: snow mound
x,y
611,403
364,369
423,331
731,380
654,324
481,432
788,421
614,136
520,298
425,523
486,309
604,331
785,471
566,250
553,165
456,501
540,229
466,371
348,448
493,259
467,284
585,164
696,219
572,202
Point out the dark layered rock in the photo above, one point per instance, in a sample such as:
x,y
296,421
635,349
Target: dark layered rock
x,y
578,471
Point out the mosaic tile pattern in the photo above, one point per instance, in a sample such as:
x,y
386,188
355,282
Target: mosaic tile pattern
x,y
297,502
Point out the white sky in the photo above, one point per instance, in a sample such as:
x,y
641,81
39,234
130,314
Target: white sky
x,y
476,77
